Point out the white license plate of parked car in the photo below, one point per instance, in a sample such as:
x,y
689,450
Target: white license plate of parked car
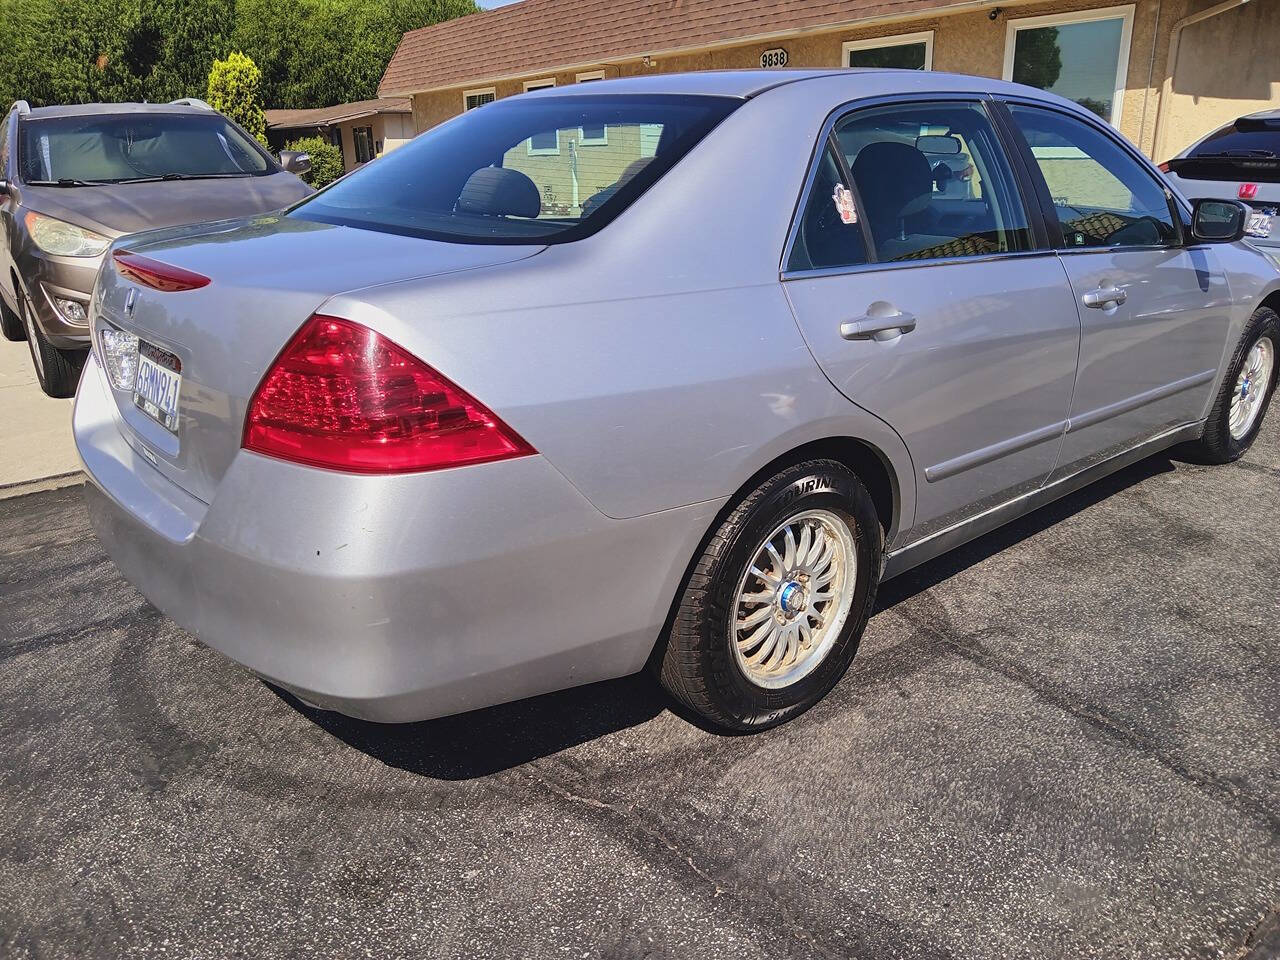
x,y
158,385
1260,222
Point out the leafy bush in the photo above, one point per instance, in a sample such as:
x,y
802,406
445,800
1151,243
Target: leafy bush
x,y
234,89
326,160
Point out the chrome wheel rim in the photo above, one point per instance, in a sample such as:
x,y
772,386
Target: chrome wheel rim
x,y
1251,388
794,598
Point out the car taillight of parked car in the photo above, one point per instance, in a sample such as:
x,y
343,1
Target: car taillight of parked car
x,y
343,397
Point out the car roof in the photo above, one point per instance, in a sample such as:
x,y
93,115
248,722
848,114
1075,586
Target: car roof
x,y
750,83
109,109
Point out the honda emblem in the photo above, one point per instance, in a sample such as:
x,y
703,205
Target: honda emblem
x,y
1248,191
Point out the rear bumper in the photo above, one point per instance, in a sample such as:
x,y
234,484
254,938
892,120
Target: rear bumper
x,y
389,598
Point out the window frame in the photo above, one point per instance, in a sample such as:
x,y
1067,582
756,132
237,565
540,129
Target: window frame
x,y
895,40
545,83
478,92
1123,12
1031,203
356,134
592,76
1179,210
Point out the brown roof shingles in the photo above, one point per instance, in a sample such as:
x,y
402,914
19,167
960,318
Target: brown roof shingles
x,y
321,116
538,35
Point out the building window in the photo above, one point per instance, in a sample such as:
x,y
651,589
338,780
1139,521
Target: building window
x,y
478,98
907,51
363,139
542,144
335,137
589,136
1081,56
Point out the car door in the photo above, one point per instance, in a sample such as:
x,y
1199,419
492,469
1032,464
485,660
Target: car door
x,y
950,321
7,208
1154,311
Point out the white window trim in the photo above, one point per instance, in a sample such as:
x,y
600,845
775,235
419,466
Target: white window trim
x,y
1123,13
475,93
539,84
897,40
542,84
583,139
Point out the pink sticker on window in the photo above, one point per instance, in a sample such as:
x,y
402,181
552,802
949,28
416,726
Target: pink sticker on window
x,y
843,198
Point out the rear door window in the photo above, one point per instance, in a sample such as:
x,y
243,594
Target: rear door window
x,y
933,182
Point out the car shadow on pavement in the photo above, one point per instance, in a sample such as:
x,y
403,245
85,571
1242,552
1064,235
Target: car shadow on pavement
x,y
494,739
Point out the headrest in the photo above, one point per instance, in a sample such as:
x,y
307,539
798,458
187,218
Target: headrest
x,y
499,192
894,179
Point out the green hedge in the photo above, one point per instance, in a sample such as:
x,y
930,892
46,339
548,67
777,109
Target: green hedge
x,y
326,159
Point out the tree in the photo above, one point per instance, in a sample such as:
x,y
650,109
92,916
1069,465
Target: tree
x,y
326,160
1038,58
234,85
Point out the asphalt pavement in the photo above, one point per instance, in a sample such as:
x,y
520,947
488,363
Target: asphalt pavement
x,y
1062,741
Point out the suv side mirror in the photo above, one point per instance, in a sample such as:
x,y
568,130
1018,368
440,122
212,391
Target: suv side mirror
x,y
295,162
4,188
1218,221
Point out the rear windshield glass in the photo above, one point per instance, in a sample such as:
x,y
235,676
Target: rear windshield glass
x,y
1229,140
523,170
122,148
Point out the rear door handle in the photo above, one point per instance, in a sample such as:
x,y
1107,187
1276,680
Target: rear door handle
x,y
1104,297
878,328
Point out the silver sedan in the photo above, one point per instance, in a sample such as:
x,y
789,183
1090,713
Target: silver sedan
x,y
669,371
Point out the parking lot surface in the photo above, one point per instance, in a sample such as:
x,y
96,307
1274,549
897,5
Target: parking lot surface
x,y
1062,741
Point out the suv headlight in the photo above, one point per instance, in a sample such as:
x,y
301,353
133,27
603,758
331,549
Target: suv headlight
x,y
64,239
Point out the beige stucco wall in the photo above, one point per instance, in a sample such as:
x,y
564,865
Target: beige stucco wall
x,y
390,129
1218,73
1227,66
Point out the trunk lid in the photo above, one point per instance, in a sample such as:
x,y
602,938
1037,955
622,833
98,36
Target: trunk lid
x,y
267,276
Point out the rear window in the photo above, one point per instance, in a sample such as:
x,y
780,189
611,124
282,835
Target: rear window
x,y
523,170
1244,137
123,148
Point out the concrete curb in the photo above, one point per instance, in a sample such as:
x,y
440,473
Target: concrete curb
x,y
22,488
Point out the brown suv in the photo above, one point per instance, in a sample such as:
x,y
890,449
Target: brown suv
x,y
73,178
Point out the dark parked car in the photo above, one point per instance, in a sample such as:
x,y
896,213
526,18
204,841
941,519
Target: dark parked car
x,y
74,178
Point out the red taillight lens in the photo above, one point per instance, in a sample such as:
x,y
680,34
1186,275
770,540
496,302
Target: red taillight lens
x,y
1164,167
343,397
155,274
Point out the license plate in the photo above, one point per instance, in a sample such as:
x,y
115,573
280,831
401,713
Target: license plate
x,y
1260,224
158,385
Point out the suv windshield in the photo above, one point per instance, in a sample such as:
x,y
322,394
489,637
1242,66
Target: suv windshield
x,y
524,170
119,148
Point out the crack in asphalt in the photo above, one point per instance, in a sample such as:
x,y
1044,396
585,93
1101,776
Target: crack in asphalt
x,y
1105,722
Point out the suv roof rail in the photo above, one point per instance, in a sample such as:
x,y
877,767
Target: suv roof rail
x,y
22,107
191,102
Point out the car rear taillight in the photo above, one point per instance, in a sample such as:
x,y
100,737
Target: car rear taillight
x,y
156,274
343,397
1164,167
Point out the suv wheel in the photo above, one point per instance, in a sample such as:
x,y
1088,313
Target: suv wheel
x,y
10,323
771,615
57,370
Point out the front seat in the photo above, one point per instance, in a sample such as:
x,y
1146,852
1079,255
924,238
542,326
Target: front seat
x,y
895,183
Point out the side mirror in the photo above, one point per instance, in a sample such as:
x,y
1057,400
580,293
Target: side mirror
x,y
4,188
1218,221
295,162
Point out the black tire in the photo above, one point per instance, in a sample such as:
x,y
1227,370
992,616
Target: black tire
x,y
57,370
698,664
11,324
1218,445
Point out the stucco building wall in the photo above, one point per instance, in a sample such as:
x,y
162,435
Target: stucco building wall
x,y
1227,65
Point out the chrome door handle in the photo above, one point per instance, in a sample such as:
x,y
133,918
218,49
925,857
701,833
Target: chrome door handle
x,y
878,328
1104,297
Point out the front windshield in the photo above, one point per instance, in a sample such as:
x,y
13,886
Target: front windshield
x,y
523,170
119,148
